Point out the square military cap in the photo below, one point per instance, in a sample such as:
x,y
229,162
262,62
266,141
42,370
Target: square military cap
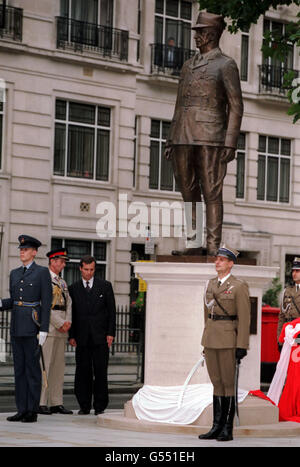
x,y
25,241
209,20
228,252
58,253
296,263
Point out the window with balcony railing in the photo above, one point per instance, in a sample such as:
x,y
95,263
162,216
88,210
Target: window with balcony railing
x,y
272,70
173,20
87,25
11,22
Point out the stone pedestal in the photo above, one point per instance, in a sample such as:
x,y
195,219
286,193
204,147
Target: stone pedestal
x,y
174,327
175,320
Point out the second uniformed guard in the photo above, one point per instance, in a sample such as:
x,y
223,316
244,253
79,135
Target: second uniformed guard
x,y
290,306
54,348
30,302
225,339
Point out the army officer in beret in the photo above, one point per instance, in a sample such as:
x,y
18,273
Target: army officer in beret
x,y
30,302
290,306
225,339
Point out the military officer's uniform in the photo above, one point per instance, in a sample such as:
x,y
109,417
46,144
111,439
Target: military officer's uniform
x,y
54,348
30,302
290,305
225,336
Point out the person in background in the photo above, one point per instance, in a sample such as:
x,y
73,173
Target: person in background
x,y
92,333
290,305
51,400
30,302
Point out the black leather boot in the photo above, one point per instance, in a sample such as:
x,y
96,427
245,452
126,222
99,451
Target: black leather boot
x,y
218,420
229,410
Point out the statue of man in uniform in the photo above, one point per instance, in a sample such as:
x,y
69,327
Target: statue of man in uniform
x,y
204,130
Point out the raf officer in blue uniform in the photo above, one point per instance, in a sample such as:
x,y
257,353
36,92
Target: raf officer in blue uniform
x,y
30,301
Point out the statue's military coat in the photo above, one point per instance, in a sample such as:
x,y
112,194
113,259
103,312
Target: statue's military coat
x,y
209,104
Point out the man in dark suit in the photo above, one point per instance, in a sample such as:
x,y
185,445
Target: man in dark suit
x,y
92,332
30,302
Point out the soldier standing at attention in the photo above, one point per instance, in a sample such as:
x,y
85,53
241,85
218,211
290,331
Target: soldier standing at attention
x,y
290,306
30,302
54,348
225,339
204,131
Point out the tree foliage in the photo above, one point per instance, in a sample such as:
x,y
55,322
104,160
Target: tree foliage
x,y
242,13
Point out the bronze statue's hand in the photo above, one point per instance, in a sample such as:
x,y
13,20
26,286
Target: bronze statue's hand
x,y
168,152
228,155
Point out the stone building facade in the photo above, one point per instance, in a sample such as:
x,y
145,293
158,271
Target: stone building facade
x,y
89,89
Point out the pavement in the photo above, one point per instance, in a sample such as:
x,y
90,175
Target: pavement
x,y
84,431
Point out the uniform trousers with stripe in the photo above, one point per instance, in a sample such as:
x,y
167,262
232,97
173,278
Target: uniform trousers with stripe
x,y
54,357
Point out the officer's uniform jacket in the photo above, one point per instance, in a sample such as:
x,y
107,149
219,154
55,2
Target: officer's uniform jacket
x,y
209,104
288,309
233,296
32,286
61,298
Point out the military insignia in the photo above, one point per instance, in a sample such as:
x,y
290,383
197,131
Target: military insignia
x,y
22,240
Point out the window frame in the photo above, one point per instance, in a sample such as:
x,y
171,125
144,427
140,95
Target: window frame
x,y
268,155
178,19
161,141
95,126
76,260
242,151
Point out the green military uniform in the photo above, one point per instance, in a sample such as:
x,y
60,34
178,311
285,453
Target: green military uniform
x,y
225,339
290,305
227,325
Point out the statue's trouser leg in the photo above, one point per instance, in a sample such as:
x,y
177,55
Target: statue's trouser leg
x,y
211,171
186,177
196,169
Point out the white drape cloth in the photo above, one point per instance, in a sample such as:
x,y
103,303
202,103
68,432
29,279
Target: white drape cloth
x,y
279,377
175,404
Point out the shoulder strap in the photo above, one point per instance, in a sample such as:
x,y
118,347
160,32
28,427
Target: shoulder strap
x,y
219,305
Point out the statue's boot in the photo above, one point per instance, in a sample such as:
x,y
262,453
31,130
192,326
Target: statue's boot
x,y
194,230
214,220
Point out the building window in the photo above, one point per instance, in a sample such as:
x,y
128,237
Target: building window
x,y
82,140
244,55
161,171
273,175
90,11
240,166
173,22
1,132
76,250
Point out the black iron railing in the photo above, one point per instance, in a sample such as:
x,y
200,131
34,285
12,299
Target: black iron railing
x,y
11,22
129,333
271,79
168,59
79,35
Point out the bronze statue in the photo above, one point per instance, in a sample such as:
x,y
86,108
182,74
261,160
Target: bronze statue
x,y
204,130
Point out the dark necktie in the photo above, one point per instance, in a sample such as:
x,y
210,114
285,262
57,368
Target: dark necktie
x,y
219,283
87,288
24,269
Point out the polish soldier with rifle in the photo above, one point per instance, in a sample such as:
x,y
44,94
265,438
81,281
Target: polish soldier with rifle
x,y
225,340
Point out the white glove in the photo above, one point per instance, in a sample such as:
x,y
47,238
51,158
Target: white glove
x,y
42,337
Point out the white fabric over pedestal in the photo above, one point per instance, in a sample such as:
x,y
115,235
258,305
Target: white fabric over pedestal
x,y
175,404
